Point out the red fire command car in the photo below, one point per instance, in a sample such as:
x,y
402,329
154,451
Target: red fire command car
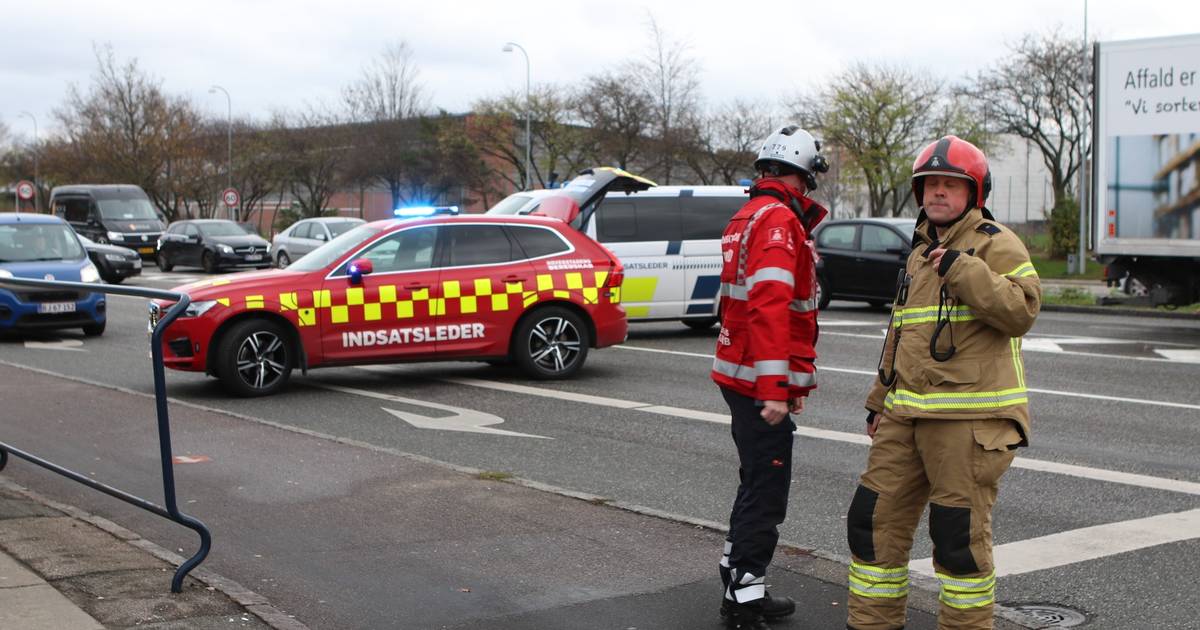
x,y
528,289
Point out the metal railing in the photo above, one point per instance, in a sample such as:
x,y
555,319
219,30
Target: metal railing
x,y
171,511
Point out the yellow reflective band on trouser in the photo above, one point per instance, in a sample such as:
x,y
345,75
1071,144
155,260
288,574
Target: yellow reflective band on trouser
x,y
878,582
1023,270
929,314
956,400
959,592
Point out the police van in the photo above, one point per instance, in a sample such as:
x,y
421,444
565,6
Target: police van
x,y
667,237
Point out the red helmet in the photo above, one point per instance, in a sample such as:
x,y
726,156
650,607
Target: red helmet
x,y
954,157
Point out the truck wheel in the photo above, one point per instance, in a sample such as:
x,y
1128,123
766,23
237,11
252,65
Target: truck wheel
x,y
163,263
254,358
551,342
96,329
699,324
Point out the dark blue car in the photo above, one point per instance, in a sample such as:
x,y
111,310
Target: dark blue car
x,y
44,247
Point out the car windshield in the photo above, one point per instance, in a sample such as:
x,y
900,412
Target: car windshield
x,y
326,254
127,210
27,242
341,227
510,204
221,228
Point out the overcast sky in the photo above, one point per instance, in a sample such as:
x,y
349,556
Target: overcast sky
x,y
272,54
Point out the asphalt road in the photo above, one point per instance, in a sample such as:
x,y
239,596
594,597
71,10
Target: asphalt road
x,y
1116,421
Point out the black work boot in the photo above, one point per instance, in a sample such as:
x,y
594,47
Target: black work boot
x,y
772,607
748,616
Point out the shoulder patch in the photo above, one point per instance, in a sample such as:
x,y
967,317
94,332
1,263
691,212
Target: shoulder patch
x,y
991,229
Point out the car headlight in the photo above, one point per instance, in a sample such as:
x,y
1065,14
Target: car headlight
x,y
225,249
268,248
116,257
4,273
89,274
196,309
116,236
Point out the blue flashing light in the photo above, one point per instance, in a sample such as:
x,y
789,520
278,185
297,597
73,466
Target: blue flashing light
x,y
424,211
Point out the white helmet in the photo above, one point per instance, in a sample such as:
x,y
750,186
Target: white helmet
x,y
795,149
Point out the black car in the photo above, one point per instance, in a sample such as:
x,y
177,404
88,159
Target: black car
x,y
861,258
120,214
114,263
213,244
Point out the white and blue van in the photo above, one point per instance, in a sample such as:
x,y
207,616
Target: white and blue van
x,y
668,238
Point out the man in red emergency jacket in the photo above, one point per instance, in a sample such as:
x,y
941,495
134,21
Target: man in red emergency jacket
x,y
765,358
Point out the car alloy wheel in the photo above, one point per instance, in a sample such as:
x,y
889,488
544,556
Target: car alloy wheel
x,y
551,342
262,360
284,260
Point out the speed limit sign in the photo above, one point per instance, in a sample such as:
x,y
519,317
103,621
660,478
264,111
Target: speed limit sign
x,y
25,190
230,197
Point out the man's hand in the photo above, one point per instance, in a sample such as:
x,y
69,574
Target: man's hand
x,y
873,424
796,405
935,257
774,411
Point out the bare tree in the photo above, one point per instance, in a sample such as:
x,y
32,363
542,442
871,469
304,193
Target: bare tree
x,y
122,129
878,117
619,116
260,166
726,140
669,75
560,144
1038,93
316,146
385,103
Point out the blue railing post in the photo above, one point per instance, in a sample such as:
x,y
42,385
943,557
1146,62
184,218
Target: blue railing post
x,y
164,425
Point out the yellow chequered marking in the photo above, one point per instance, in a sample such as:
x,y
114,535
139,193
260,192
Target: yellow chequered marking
x,y
639,289
222,281
601,276
387,294
575,280
420,295
545,282
223,301
321,298
308,316
467,305
254,301
530,299
513,287
354,296
500,302
437,307
483,286
591,295
339,314
404,309
289,301
451,289
372,312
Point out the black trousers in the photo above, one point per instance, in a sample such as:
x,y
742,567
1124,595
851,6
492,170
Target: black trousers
x,y
765,472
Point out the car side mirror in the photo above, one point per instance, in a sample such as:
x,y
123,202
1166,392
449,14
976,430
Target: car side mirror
x,y
192,239
899,251
359,268
322,237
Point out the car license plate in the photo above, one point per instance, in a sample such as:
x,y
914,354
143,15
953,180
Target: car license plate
x,y
56,307
145,250
253,257
137,264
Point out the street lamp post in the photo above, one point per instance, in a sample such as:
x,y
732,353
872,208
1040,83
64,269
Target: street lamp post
x,y
36,192
228,141
1084,189
528,179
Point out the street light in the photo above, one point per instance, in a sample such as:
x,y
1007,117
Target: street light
x,y
229,141
528,114
35,158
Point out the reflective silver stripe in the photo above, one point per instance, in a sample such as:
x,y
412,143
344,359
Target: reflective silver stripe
x,y
771,368
775,367
879,573
735,291
804,306
967,602
967,585
949,400
778,274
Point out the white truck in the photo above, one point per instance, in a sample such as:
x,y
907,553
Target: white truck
x,y
1146,167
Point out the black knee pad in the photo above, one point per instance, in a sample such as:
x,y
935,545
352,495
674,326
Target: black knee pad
x,y
950,529
860,524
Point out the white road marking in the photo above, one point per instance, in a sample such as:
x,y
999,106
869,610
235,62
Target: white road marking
x,y
1055,392
69,345
460,419
1087,543
1185,356
1086,472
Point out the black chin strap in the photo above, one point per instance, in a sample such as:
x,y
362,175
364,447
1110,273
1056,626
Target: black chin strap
x,y
787,200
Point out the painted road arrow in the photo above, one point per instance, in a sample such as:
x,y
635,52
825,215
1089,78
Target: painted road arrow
x,y
464,420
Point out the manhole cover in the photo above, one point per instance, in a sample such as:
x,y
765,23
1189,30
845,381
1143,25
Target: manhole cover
x,y
1052,615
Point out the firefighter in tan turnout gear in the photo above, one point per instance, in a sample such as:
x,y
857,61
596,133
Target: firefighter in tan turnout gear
x,y
950,404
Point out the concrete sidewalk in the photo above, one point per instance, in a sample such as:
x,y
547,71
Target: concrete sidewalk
x,y
58,571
